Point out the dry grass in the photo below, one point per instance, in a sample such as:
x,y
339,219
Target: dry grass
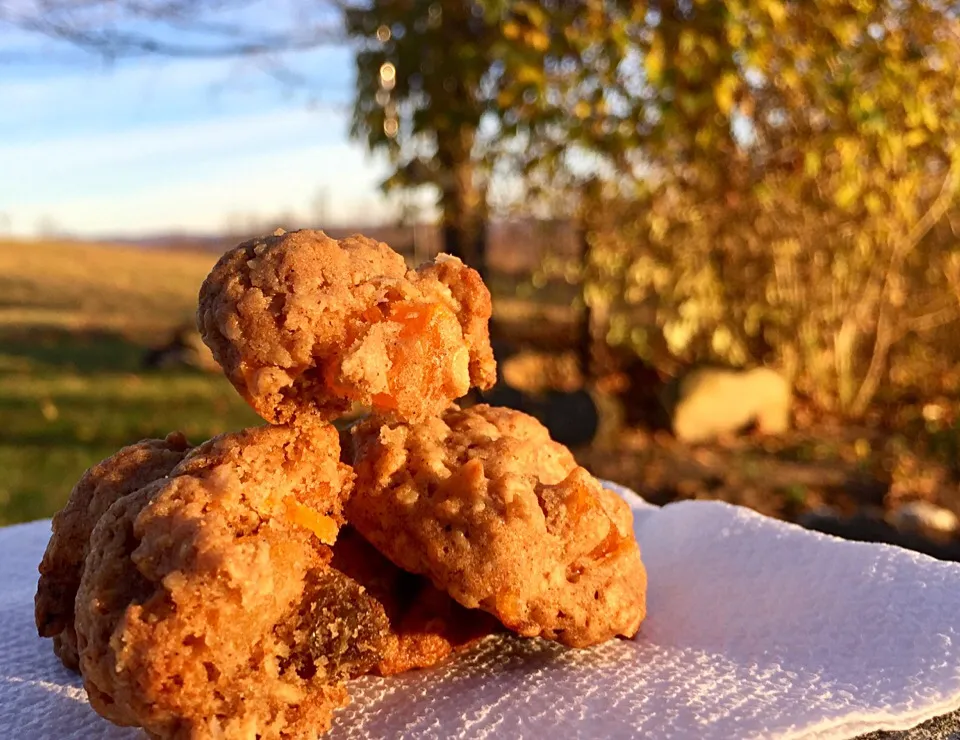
x,y
92,287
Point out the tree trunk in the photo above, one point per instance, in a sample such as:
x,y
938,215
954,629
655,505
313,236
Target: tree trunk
x,y
464,205
468,241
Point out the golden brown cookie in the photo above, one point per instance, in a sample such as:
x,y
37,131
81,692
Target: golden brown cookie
x,y
494,512
62,566
426,625
303,324
208,607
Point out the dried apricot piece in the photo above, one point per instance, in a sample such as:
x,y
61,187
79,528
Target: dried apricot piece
x,y
323,526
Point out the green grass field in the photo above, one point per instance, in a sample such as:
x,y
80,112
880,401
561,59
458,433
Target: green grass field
x,y
74,323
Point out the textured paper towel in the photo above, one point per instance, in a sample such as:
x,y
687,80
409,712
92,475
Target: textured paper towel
x,y
756,629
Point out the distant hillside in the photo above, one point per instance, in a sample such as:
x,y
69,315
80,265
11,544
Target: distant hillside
x,y
80,286
514,247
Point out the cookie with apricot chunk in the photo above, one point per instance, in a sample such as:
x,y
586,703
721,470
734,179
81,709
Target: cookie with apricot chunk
x,y
128,470
304,324
489,508
208,606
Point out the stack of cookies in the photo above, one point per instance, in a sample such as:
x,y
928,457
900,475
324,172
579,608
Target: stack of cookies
x,y
231,589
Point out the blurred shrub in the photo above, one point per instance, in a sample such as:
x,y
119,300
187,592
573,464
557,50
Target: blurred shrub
x,y
767,181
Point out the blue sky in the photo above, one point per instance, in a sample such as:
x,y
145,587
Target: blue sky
x,y
149,145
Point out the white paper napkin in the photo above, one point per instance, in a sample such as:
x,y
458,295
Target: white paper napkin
x,y
756,629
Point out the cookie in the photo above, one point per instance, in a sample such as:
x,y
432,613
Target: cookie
x,y
426,625
304,324
62,566
208,607
502,518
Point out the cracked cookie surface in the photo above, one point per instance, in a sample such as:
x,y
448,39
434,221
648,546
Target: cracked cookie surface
x,y
487,506
304,324
208,607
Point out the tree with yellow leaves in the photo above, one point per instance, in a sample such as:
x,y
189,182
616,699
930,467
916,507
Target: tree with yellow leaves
x,y
766,175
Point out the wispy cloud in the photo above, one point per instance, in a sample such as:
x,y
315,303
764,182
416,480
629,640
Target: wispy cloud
x,y
101,96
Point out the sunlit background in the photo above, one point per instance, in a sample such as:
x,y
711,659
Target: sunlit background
x,y
660,195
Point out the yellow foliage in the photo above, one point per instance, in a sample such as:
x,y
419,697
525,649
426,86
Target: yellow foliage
x,y
775,9
847,194
653,62
915,138
725,91
538,40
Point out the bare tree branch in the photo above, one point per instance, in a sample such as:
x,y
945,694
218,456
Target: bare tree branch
x,y
929,321
119,43
98,26
887,331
